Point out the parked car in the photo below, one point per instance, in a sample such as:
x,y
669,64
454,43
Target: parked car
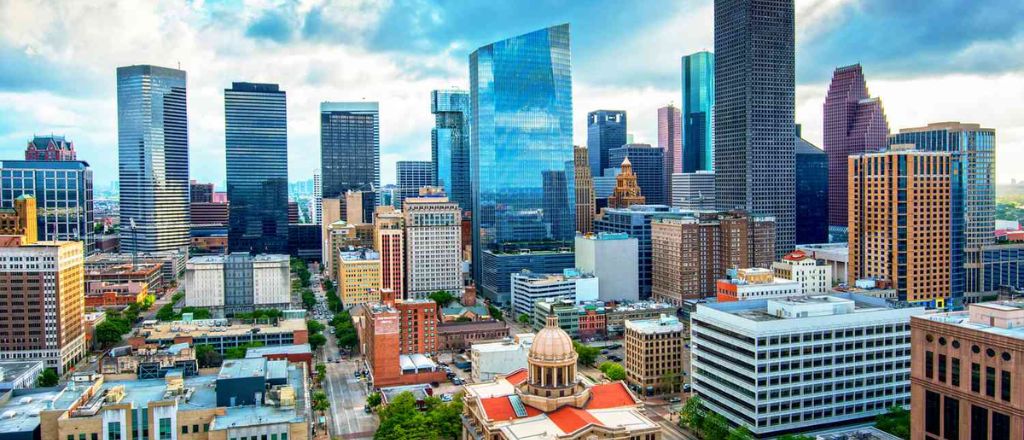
x,y
604,351
435,384
446,397
686,388
367,409
675,399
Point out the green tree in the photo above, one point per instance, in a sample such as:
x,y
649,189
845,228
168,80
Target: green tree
x,y
442,298
523,319
314,327
321,371
613,371
587,355
239,351
108,333
316,341
308,299
402,419
374,400
166,313
740,433
320,401
895,421
207,356
48,378
669,382
495,312
715,426
693,414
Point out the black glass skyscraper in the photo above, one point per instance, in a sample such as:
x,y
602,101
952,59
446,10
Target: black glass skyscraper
x,y
256,137
606,129
349,147
811,225
449,144
754,100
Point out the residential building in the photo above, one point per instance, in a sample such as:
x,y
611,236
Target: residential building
x,y
459,336
754,283
855,123
200,192
814,276
349,147
691,252
754,105
359,277
50,148
433,246
238,282
498,266
389,242
63,193
523,191
152,138
42,302
758,362
571,284
606,129
449,145
670,142
492,359
918,259
411,176
963,369
585,207
627,192
394,340
256,140
698,81
694,191
654,354
616,317
222,334
548,397
835,255
635,221
611,258
811,193
648,163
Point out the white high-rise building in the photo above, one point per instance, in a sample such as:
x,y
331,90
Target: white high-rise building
x,y
612,258
433,246
239,283
814,277
204,282
571,284
316,208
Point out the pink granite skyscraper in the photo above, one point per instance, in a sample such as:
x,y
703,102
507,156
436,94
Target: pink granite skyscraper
x,y
670,140
854,123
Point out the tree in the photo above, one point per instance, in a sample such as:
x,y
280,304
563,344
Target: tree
x,y
320,401
796,437
693,414
715,426
669,382
613,371
239,351
402,418
587,355
48,378
896,421
166,313
108,333
523,319
495,312
740,433
207,356
442,298
374,400
316,341
463,319
314,327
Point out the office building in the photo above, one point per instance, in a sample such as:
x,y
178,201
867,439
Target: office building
x,y
358,277
670,142
458,336
917,259
349,148
635,222
412,175
627,191
100,294
169,265
1002,267
433,246
389,242
612,258
204,214
50,148
585,203
811,225
293,212
523,190
698,80
759,363
227,334
973,192
492,359
238,282
694,191
498,266
357,207
549,397
256,140
648,165
304,241
606,129
570,284
63,195
200,192
152,138
692,251
449,145
316,206
754,283
42,298
963,369
834,255
616,317
342,236
654,354
754,101
394,339
20,220
855,123
814,276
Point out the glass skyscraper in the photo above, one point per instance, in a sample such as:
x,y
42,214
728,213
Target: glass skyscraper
x,y
811,225
256,140
63,192
412,175
152,138
698,102
754,105
522,170
606,129
349,147
449,144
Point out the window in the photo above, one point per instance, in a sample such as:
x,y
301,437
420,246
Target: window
x,y
1000,425
206,427
975,377
81,436
195,428
1005,384
71,437
990,381
96,436
284,436
951,418
929,364
931,413
942,368
113,431
979,423
954,378
184,429
163,431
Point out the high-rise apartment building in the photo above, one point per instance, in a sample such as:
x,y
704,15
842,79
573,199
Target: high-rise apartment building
x,y
389,242
449,144
627,191
200,192
649,166
411,176
754,101
63,193
692,251
256,140
654,353
694,191
152,138
854,123
900,226
42,302
815,277
606,129
612,258
635,222
316,207
585,201
522,162
50,148
811,226
670,141
974,148
433,246
349,147
698,79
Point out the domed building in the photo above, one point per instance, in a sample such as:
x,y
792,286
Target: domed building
x,y
549,400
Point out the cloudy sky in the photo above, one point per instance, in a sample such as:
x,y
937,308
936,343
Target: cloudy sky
x,y
929,60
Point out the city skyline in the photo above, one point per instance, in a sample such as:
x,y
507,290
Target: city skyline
x,y
433,56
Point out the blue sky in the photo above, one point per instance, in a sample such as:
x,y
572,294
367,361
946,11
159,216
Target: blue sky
x,y
929,61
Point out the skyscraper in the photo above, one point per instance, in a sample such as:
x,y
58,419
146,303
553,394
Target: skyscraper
x,y
648,165
349,147
412,175
606,129
811,226
627,192
754,100
670,141
152,138
521,107
316,208
584,191
854,123
433,246
200,192
256,139
449,144
698,105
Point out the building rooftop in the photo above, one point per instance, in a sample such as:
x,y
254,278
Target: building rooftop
x,y
217,327
21,412
664,324
257,352
12,370
949,125
801,307
243,368
419,392
641,305
360,255
541,279
509,344
601,236
1004,318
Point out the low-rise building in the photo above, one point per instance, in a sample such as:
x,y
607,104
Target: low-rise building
x,y
617,315
814,276
19,374
835,255
529,287
876,288
654,354
104,294
172,263
394,340
754,283
149,361
492,359
222,334
462,335
298,353
461,312
149,275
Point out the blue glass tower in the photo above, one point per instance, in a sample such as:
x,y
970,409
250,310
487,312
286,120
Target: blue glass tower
x,y
449,144
811,193
606,129
411,175
521,142
256,137
698,102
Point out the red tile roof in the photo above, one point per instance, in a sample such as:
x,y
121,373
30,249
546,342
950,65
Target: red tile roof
x,y
609,395
517,377
499,408
570,419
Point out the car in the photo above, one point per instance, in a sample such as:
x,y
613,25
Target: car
x,y
367,409
604,351
686,388
446,397
675,399
457,381
435,384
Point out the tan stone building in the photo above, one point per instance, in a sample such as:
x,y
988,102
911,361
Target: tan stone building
x,y
627,190
585,202
359,277
389,242
654,354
